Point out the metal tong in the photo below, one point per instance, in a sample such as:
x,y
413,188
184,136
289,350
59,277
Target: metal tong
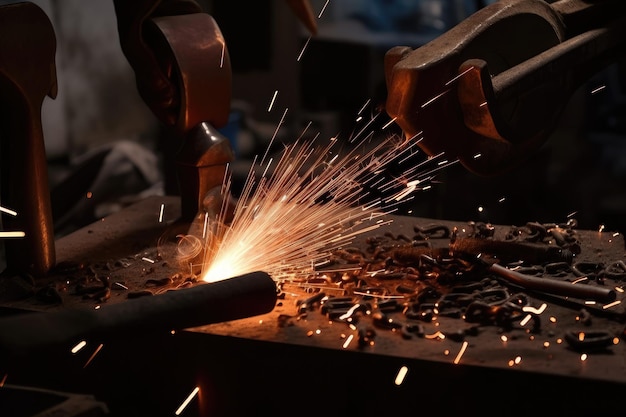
x,y
491,90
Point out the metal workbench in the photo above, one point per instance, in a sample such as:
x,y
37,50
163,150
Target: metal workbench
x,y
295,361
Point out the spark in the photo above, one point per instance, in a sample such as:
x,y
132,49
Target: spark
x,y
504,338
478,155
348,341
613,304
185,403
269,108
79,346
601,228
581,279
572,214
93,355
319,16
362,109
525,320
223,54
205,225
303,49
8,211
435,336
598,89
459,76
619,289
529,309
3,380
461,352
583,357
307,208
148,260
280,123
119,284
438,96
161,213
501,200
389,123
349,313
12,234
401,375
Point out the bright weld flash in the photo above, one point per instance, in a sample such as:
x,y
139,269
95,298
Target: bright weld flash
x,y
401,375
187,401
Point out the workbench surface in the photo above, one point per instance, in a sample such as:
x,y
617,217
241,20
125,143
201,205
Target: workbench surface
x,y
124,247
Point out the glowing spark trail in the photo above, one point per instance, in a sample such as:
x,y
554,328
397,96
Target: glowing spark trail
x,y
8,211
323,9
93,355
303,49
185,403
269,109
12,234
315,200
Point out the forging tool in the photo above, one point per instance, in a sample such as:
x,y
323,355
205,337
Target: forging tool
x,y
491,90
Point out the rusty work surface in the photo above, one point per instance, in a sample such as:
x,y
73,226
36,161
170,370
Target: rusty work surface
x,y
123,248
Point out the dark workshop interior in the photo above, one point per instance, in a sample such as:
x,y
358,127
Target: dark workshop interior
x,y
106,153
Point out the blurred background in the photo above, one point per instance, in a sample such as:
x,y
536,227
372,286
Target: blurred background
x,y
99,128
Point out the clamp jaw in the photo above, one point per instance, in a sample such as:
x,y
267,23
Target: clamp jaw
x,y
491,90
184,75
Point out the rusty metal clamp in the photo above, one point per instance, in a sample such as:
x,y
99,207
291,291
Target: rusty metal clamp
x,y
491,90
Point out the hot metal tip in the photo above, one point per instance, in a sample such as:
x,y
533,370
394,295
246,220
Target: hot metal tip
x,y
304,12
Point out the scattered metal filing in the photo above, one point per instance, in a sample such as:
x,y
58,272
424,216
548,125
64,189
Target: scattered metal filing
x,y
405,284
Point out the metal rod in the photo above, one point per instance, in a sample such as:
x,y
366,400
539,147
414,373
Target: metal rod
x,y
552,286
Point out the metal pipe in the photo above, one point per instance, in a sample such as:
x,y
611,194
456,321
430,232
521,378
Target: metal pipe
x,y
235,298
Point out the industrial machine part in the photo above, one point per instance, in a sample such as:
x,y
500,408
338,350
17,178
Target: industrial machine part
x,y
491,90
192,55
235,298
27,75
193,52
